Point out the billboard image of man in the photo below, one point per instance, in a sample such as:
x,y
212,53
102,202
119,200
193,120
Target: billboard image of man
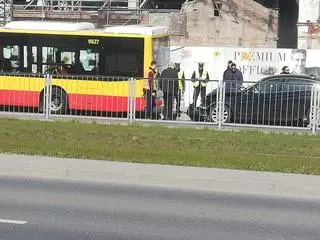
x,y
299,57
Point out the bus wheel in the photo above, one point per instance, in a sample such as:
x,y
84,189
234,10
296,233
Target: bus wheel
x,y
58,103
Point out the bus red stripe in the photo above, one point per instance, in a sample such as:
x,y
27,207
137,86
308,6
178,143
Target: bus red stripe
x,y
19,98
75,101
102,103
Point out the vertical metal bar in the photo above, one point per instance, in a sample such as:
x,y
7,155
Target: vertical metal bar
x,y
313,109
275,102
223,90
217,104
252,105
47,95
220,105
292,105
134,82
317,108
131,100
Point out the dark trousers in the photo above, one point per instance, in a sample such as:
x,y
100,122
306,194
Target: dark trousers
x,y
178,100
196,92
168,105
150,103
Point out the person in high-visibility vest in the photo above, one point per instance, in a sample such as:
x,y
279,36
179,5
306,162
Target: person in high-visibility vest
x,y
200,79
181,90
150,89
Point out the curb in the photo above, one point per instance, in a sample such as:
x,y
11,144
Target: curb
x,y
187,178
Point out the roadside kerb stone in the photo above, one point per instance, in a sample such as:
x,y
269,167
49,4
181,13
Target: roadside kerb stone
x,y
189,178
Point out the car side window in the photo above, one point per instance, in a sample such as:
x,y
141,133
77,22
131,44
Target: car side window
x,y
297,85
274,85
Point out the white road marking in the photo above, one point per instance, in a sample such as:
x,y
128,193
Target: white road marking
x,y
12,221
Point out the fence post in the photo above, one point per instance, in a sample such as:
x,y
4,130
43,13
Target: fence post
x,y
134,105
220,105
317,110
131,100
314,110
47,95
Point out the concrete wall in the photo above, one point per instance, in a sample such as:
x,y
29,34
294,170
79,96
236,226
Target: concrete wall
x,y
242,23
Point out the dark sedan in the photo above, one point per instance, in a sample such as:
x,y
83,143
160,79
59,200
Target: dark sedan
x,y
276,100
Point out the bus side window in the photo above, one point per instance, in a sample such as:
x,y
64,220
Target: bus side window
x,y
123,63
49,59
34,58
9,58
90,61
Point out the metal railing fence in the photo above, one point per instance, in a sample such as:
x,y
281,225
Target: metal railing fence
x,y
206,102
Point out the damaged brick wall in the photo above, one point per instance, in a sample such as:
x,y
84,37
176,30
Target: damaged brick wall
x,y
240,23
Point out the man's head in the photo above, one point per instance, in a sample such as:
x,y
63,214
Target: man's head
x,y
177,66
200,66
286,69
298,57
229,63
153,65
233,67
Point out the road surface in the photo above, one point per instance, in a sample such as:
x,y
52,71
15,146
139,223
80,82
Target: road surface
x,y
73,210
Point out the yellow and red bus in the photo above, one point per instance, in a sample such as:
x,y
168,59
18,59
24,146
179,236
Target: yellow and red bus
x,y
90,66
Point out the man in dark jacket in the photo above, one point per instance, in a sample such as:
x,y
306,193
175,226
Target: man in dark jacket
x,y
169,85
227,72
233,79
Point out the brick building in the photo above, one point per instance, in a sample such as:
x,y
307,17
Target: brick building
x,y
220,23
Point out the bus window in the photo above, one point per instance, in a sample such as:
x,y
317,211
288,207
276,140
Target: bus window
x,y
122,64
49,59
67,58
34,65
161,51
90,61
11,58
25,59
123,57
5,63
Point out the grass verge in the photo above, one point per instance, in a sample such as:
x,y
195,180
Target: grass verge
x,y
247,150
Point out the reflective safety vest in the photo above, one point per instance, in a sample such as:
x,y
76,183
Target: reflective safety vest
x,y
180,75
200,80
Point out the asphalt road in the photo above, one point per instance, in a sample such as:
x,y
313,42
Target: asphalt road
x,y
43,209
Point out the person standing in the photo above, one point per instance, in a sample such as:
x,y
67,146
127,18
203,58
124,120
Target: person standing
x,y
170,86
234,79
200,79
181,88
149,89
227,72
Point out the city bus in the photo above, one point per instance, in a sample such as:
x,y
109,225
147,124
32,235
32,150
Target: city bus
x,y
90,67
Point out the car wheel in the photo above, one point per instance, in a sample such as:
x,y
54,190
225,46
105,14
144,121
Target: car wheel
x,y
213,114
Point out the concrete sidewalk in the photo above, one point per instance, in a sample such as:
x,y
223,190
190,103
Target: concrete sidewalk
x,y
207,179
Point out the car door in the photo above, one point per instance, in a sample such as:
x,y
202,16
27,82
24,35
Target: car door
x,y
259,103
296,100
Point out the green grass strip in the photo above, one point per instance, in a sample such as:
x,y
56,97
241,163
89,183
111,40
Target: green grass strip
x,y
249,150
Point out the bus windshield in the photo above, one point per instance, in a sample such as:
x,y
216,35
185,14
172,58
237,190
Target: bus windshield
x,y
161,51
